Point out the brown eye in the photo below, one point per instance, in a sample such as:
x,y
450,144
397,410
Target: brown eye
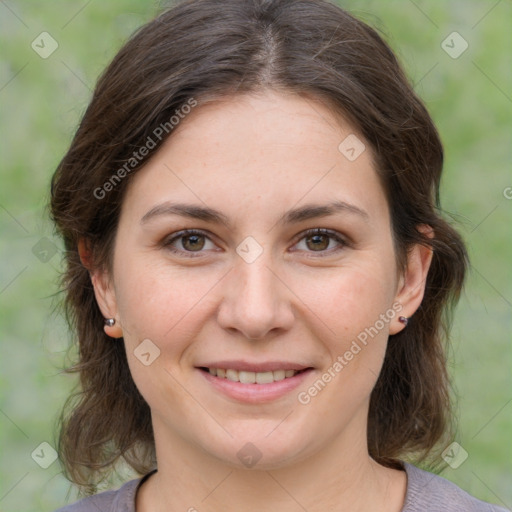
x,y
317,242
192,242
322,241
188,243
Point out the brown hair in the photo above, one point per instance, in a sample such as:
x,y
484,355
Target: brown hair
x,y
207,49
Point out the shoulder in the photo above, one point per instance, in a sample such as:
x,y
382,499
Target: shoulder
x,y
426,491
120,500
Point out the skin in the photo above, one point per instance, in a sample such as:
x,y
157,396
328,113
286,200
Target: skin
x,y
253,158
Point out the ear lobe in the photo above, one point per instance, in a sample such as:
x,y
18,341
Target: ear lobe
x,y
413,281
106,299
103,289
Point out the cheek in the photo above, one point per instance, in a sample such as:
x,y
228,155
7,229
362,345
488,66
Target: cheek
x,y
354,305
165,305
162,302
350,298
354,311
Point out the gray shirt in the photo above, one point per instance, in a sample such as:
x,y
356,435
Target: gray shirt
x,y
426,492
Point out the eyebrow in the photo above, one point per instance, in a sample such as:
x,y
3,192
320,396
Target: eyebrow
x,y
309,211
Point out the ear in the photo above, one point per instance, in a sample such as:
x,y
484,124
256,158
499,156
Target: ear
x,y
85,253
411,286
103,290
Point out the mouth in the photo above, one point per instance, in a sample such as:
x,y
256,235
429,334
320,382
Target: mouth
x,y
248,377
254,384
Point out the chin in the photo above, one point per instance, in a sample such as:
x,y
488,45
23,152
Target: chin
x,y
260,454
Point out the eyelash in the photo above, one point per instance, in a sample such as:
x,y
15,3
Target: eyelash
x,y
310,232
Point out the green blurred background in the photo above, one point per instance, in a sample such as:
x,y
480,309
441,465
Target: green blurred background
x,y
41,101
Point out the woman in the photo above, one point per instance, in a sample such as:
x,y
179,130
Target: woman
x,y
257,270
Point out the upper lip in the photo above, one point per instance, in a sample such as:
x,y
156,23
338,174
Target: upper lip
x,y
264,366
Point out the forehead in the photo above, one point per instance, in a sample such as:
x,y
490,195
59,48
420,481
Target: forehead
x,y
261,121
260,151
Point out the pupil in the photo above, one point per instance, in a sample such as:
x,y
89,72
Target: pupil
x,y
317,241
195,239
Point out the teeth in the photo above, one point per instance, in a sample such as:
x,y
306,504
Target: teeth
x,y
247,377
252,377
265,377
278,374
232,375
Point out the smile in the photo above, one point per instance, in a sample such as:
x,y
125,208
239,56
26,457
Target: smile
x,y
251,386
246,377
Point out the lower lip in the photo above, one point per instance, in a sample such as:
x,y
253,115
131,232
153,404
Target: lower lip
x,y
256,393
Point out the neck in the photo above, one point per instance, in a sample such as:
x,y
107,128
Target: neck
x,y
341,477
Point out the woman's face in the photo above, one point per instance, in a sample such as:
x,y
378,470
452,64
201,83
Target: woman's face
x,y
252,289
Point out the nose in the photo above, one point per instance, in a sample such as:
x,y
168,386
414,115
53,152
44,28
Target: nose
x,y
257,302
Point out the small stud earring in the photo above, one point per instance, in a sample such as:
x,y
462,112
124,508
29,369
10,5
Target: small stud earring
x,y
109,322
404,320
